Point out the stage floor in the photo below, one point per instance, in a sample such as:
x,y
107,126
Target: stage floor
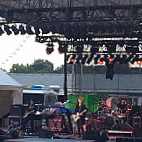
x,y
64,138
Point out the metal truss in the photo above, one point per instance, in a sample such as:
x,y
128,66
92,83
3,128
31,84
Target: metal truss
x,y
69,13
30,11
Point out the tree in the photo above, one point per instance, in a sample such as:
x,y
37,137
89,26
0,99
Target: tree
x,y
16,68
61,69
39,66
42,66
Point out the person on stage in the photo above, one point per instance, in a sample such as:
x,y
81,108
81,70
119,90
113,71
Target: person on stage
x,y
29,116
122,106
80,112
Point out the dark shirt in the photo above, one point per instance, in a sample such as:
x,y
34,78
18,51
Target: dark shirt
x,y
31,107
80,109
122,107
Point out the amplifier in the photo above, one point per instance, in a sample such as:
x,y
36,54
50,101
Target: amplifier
x,y
14,120
16,110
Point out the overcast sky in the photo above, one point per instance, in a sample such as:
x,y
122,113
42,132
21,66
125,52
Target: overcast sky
x,y
23,49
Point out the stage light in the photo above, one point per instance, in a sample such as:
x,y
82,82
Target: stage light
x,y
7,29
72,59
84,59
78,59
36,29
62,47
132,49
110,59
139,62
117,58
67,58
15,30
1,31
90,59
29,30
96,59
135,59
49,48
129,58
22,29
101,62
123,60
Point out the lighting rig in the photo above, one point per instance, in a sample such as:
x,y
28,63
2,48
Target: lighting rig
x,y
98,51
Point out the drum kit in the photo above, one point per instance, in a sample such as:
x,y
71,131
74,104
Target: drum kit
x,y
112,117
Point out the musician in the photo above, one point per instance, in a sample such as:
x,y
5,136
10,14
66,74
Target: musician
x,y
29,116
80,107
122,106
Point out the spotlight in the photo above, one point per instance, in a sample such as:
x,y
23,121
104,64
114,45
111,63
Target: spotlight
x,y
62,47
68,57
139,62
90,59
129,58
96,59
22,29
7,29
78,59
111,59
132,49
15,30
123,60
29,30
135,59
117,59
49,48
84,59
101,62
72,59
1,31
36,29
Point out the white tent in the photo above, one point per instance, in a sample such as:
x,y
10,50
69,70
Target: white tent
x,y
10,93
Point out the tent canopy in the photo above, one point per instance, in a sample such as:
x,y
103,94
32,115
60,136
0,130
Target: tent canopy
x,y
10,93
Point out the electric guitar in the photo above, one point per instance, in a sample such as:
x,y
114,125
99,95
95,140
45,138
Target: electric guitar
x,y
76,117
29,112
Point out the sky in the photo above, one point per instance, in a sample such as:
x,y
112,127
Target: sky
x,y
23,49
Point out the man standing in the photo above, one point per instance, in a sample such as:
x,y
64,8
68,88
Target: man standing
x,y
29,116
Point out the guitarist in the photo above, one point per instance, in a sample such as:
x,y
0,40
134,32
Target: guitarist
x,y
80,112
29,116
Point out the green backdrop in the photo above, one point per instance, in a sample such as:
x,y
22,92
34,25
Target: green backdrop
x,y
90,100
